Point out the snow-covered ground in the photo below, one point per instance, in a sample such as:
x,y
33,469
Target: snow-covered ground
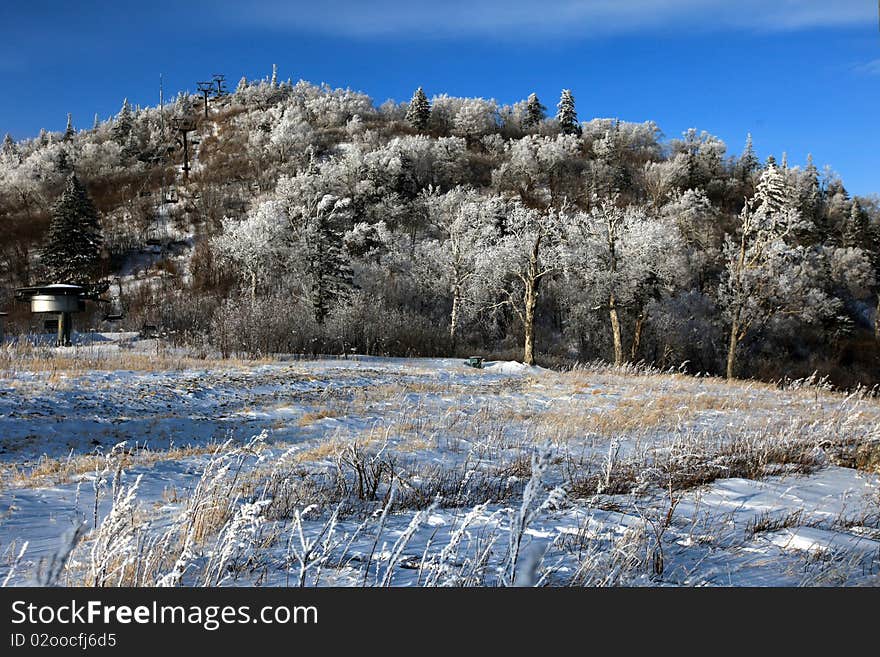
x,y
428,472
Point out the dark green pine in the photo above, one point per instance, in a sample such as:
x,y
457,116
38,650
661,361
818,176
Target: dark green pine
x,y
72,249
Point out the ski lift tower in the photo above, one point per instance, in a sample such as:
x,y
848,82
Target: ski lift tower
x,y
184,125
62,300
220,80
206,88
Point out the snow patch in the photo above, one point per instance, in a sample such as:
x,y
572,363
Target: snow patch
x,y
513,367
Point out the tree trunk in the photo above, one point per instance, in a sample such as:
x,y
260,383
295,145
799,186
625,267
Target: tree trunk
x,y
253,288
531,300
637,337
737,316
532,280
731,349
615,331
453,318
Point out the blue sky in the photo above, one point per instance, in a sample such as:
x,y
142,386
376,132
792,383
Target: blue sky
x,y
800,75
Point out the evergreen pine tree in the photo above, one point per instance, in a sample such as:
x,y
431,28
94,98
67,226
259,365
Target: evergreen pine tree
x,y
772,194
96,123
181,105
329,268
274,81
771,162
73,243
566,114
811,169
857,232
242,85
749,162
123,124
69,132
535,112
63,164
9,149
419,110
810,196
692,151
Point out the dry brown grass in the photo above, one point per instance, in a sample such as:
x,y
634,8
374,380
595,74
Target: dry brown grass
x,y
56,471
415,443
576,419
81,360
328,450
307,419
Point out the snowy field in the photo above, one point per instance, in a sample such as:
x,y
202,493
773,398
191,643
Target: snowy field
x,y
122,467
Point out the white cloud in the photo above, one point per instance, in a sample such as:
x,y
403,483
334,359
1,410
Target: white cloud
x,y
578,18
868,68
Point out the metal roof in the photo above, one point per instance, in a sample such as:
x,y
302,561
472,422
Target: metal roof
x,y
86,291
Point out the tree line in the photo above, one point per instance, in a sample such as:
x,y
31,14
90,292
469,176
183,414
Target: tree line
x,y
315,220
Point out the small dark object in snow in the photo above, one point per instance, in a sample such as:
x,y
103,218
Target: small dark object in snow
x,y
475,361
150,331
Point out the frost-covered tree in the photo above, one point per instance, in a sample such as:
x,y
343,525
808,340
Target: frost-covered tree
x,y
624,257
748,161
444,109
9,151
332,108
464,222
99,160
72,251
526,253
857,231
402,168
123,125
700,158
809,191
850,272
610,175
318,221
419,112
535,112
765,274
566,115
542,171
697,220
255,246
69,132
368,242
291,137
475,118
328,264
773,195
659,180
